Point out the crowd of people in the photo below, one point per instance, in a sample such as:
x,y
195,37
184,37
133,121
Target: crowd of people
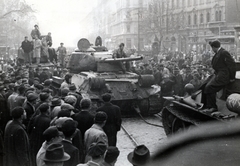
x,y
41,125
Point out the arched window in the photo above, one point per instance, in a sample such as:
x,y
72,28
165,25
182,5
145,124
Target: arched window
x,y
195,19
220,15
208,17
216,16
189,19
201,18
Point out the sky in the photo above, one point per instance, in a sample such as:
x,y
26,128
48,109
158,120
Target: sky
x,y
62,18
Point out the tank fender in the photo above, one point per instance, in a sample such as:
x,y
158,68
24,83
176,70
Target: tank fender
x,y
182,114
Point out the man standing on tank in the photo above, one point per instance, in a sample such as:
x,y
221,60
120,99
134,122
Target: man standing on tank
x,y
119,53
62,53
27,48
114,121
224,73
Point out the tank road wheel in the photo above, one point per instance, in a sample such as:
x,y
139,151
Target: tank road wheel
x,y
171,123
167,119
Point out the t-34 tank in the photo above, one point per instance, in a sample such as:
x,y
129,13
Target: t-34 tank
x,y
182,113
95,72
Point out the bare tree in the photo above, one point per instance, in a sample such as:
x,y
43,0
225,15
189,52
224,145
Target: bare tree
x,y
150,21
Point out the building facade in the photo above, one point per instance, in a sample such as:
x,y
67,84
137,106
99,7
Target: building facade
x,y
177,25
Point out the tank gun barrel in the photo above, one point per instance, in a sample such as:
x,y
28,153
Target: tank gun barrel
x,y
122,59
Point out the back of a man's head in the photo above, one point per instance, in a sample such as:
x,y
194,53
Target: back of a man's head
x,y
44,108
85,103
111,154
17,112
69,128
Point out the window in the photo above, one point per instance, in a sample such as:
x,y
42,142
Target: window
x,y
216,16
128,28
173,4
195,19
220,15
129,43
208,17
201,18
189,19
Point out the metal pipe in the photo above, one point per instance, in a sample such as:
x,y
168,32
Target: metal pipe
x,y
129,135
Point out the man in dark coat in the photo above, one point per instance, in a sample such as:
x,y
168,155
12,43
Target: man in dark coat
x,y
84,118
68,128
4,111
29,106
27,48
36,127
113,123
224,73
16,143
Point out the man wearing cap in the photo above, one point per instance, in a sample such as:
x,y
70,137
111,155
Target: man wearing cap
x,y
62,52
95,154
224,73
27,48
140,156
95,133
35,32
113,123
16,141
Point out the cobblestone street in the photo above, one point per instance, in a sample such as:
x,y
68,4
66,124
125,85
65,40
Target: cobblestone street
x,y
143,133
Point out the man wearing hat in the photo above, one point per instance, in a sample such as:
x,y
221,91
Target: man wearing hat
x,y
29,106
16,141
51,136
113,123
140,156
110,156
62,52
224,73
55,155
95,133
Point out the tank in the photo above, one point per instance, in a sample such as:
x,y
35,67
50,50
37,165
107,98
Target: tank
x,y
95,72
180,113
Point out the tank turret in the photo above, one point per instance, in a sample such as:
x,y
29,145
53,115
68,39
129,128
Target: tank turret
x,y
95,58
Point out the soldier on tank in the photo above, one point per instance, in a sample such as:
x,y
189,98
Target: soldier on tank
x,y
119,53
